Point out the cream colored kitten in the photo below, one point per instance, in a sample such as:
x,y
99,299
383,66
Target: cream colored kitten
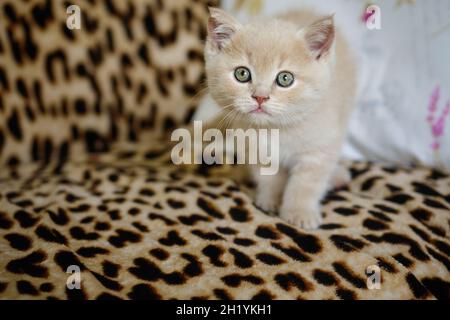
x,y
293,73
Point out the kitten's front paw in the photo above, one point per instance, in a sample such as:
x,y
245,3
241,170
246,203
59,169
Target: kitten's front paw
x,y
306,219
269,204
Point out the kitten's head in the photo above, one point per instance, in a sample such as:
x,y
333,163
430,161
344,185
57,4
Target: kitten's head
x,y
268,72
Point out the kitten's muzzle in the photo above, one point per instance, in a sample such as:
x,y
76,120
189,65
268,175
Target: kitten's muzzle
x,y
260,99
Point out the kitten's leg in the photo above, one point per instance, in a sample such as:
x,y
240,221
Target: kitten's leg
x,y
306,185
269,189
339,178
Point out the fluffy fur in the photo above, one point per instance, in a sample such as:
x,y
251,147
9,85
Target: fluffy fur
x,y
311,114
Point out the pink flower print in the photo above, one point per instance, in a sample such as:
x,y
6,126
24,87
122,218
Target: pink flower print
x,y
437,126
435,145
432,106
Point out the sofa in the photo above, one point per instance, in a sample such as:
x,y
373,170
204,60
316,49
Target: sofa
x,y
92,207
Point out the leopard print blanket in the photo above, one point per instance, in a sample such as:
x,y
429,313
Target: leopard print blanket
x,y
138,227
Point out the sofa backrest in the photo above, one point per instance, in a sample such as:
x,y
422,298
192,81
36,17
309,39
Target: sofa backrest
x,y
133,66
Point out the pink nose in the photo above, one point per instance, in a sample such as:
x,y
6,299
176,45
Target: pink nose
x,y
260,99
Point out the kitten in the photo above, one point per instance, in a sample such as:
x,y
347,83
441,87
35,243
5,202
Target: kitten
x,y
293,73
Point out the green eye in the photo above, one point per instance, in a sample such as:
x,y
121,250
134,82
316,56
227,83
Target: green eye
x,y
242,74
285,79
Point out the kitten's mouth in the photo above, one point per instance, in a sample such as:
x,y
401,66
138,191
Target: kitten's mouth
x,y
259,110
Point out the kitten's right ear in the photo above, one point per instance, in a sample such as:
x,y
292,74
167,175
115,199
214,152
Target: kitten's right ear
x,y
221,27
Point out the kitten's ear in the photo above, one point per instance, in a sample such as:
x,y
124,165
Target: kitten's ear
x,y
319,36
221,27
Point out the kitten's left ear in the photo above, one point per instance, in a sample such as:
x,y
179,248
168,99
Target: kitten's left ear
x,y
319,36
221,27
